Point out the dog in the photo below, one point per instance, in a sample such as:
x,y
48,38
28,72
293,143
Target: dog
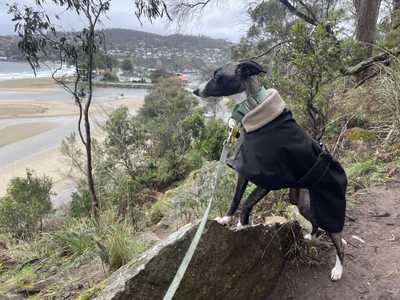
x,y
279,154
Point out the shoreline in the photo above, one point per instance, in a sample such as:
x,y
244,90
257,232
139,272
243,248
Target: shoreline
x,y
16,126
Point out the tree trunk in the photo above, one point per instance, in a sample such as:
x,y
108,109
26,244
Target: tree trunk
x,y
95,202
367,17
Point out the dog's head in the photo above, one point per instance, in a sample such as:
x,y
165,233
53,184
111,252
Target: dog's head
x,y
229,79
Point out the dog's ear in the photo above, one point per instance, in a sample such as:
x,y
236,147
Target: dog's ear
x,y
249,68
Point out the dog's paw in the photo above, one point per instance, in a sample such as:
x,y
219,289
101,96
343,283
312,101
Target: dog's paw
x,y
308,237
337,271
223,220
240,226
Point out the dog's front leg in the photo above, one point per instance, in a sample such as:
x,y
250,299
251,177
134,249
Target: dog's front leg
x,y
239,191
248,205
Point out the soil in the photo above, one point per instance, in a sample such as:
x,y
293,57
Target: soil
x,y
371,269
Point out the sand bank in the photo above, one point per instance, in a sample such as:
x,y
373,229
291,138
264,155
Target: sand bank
x,y
15,133
10,109
51,163
28,84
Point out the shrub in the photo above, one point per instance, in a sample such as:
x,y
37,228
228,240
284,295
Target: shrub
x,y
108,76
26,203
360,134
75,240
80,204
211,142
127,65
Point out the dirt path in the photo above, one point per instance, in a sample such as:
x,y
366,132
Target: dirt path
x,y
372,269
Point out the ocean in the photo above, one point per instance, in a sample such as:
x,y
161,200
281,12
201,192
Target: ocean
x,y
17,70
20,70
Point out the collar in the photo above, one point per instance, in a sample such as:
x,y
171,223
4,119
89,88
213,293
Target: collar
x,y
258,97
269,109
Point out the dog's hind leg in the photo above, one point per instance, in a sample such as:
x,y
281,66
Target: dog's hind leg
x,y
337,241
248,205
239,191
301,198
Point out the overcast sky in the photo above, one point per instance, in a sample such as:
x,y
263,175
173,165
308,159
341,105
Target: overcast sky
x,y
221,19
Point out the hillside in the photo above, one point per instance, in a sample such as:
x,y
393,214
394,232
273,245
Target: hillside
x,y
149,50
127,37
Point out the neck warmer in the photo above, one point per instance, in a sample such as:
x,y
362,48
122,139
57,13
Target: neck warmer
x,y
268,106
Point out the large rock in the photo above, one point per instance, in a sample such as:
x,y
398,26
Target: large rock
x,y
227,264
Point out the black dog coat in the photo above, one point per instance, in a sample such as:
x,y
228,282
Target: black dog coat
x,y
281,155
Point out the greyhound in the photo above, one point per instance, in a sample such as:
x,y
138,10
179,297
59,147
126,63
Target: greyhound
x,y
238,77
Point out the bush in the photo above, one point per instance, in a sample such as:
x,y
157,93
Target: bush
x,y
108,76
360,134
211,142
81,204
127,65
26,203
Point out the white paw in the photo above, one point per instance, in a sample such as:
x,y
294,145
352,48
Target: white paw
x,y
224,220
240,226
308,236
337,271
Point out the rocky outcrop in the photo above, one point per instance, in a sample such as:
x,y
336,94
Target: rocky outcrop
x,y
227,264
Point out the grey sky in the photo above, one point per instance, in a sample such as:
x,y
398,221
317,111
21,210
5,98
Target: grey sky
x,y
221,19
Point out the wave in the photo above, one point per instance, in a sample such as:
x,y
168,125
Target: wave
x,y
18,70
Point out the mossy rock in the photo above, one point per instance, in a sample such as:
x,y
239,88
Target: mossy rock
x,y
360,134
221,267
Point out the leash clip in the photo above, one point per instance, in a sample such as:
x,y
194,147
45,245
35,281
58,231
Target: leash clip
x,y
233,131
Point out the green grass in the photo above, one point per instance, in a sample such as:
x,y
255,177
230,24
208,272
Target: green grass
x,y
91,292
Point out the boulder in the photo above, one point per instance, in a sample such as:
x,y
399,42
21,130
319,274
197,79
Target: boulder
x,y
227,264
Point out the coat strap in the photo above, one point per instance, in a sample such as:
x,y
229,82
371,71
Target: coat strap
x,y
317,171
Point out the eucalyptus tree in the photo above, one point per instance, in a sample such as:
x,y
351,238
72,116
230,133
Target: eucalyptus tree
x,y
37,28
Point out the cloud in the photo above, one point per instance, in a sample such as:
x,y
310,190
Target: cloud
x,y
221,19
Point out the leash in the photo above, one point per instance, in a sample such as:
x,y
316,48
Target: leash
x,y
196,239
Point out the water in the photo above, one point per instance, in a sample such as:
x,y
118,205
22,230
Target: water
x,y
100,95
18,70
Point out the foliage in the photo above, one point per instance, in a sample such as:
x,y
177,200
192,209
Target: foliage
x,y
125,141
359,134
306,61
315,57
104,61
168,113
80,203
25,204
37,33
388,96
159,74
211,142
110,77
127,65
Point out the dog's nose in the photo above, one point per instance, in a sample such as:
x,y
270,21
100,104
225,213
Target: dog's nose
x,y
196,92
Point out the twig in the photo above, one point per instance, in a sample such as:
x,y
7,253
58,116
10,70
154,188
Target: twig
x,y
269,50
340,137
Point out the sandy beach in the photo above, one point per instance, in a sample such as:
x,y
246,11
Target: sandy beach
x,y
14,133
28,119
49,163
28,84
36,109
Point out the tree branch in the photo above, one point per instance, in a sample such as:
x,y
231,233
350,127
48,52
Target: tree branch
x,y
298,13
269,50
365,64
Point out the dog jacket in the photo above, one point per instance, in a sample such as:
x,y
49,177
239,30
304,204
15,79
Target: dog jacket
x,y
280,154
